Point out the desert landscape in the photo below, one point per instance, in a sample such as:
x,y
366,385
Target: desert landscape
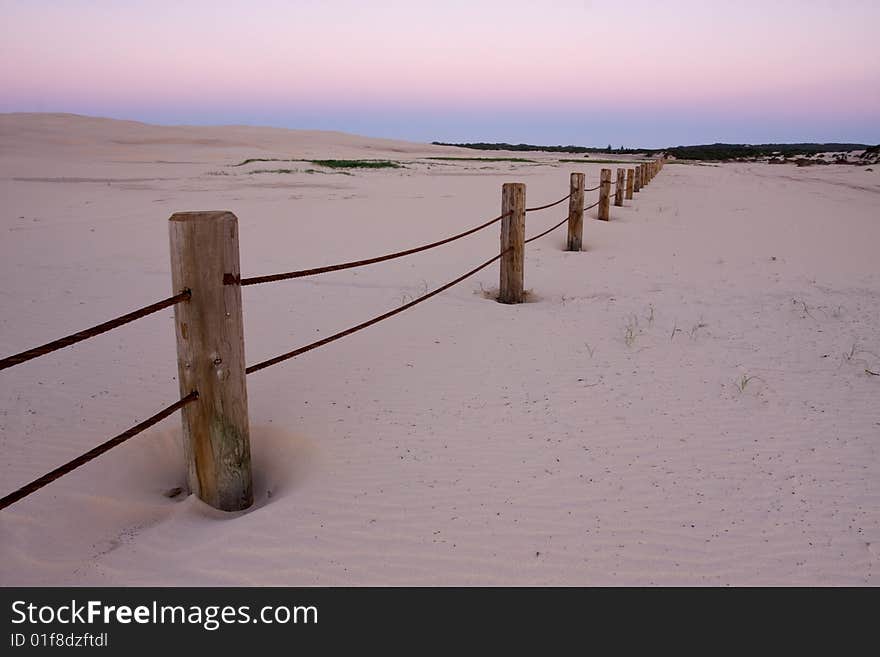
x,y
691,400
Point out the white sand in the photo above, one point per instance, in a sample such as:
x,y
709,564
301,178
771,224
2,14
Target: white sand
x,y
464,441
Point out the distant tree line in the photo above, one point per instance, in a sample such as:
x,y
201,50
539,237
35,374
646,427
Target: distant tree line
x,y
716,151
501,146
734,151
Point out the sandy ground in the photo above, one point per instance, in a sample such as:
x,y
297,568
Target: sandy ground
x,y
685,402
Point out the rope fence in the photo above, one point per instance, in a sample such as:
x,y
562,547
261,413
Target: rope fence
x,y
70,466
549,205
61,343
354,329
546,232
229,279
213,317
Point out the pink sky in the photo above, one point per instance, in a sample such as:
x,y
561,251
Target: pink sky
x,y
195,61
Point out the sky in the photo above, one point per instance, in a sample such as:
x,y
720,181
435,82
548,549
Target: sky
x,y
646,73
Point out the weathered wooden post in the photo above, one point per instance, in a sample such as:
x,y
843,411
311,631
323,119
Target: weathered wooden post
x,y
513,232
605,195
637,179
618,191
630,181
645,181
210,358
576,213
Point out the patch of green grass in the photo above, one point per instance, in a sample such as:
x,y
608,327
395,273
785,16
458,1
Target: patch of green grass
x,y
484,159
357,164
330,164
592,161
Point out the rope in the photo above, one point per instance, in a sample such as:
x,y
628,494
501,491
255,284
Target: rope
x,y
549,205
549,230
590,207
230,279
355,329
593,189
46,479
48,348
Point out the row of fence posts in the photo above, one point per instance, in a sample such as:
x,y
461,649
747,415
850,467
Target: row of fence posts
x,y
513,207
210,328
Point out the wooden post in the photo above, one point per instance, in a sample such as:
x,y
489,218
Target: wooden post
x,y
630,181
576,213
618,191
645,179
210,358
605,195
513,232
637,179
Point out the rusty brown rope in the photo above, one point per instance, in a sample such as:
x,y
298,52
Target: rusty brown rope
x,y
55,345
549,230
549,205
229,279
375,320
46,479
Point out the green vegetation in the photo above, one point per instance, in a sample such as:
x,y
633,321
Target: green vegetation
x,y
484,159
594,161
330,164
357,164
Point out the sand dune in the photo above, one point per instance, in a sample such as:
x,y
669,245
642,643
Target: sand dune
x,y
686,402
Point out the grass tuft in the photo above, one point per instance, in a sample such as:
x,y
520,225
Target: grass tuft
x,y
330,164
356,164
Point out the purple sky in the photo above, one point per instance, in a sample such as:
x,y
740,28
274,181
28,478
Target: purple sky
x,y
636,73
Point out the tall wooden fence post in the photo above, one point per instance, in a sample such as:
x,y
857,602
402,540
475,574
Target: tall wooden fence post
x,y
210,358
513,232
576,213
644,174
605,195
630,181
637,178
619,190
